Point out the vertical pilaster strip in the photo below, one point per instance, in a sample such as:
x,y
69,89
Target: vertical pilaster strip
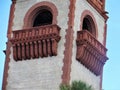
x,y
68,44
105,34
7,58
104,43
11,16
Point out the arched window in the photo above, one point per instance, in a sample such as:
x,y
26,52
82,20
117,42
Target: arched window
x,y
88,24
44,17
42,13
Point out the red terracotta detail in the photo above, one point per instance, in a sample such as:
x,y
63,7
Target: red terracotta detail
x,y
35,42
68,45
88,13
11,16
7,59
99,6
32,12
101,78
6,66
90,52
105,34
98,3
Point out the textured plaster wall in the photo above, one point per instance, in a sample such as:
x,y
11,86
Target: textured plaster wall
x,y
42,73
78,71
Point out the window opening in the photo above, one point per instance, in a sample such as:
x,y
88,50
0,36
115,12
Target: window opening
x,y
88,24
44,17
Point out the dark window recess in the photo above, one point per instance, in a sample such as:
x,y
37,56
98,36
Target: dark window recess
x,y
87,25
44,17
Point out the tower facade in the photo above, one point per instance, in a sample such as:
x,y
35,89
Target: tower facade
x,y
55,41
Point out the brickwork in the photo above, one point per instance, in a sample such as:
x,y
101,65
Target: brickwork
x,y
38,73
43,57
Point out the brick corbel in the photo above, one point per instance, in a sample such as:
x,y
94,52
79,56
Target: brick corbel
x,y
35,42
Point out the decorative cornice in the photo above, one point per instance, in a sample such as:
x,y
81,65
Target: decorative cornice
x,y
35,42
99,6
68,44
90,52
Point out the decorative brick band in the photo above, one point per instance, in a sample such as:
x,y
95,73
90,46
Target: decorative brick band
x,y
7,59
105,34
99,6
90,52
68,45
35,42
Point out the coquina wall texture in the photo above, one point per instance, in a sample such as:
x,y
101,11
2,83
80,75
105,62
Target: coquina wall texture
x,y
46,73
78,70
42,73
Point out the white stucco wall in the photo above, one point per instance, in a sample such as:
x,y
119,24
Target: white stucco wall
x,y
38,74
42,73
78,71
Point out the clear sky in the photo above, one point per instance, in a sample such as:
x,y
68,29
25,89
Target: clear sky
x,y
111,76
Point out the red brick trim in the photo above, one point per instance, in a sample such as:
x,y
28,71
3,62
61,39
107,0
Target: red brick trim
x,y
97,5
31,14
83,15
11,16
105,34
103,1
7,59
101,79
68,45
104,43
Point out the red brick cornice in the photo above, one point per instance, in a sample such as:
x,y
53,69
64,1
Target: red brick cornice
x,y
7,59
68,44
35,42
90,52
99,7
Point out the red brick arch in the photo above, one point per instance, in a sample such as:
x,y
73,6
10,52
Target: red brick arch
x,y
92,19
32,12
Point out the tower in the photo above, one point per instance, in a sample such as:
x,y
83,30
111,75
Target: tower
x,y
55,41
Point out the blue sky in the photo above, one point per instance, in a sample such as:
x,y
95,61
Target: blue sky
x,y
111,76
4,15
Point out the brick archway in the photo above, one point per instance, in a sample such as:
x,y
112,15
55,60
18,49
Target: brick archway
x,y
87,14
32,12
